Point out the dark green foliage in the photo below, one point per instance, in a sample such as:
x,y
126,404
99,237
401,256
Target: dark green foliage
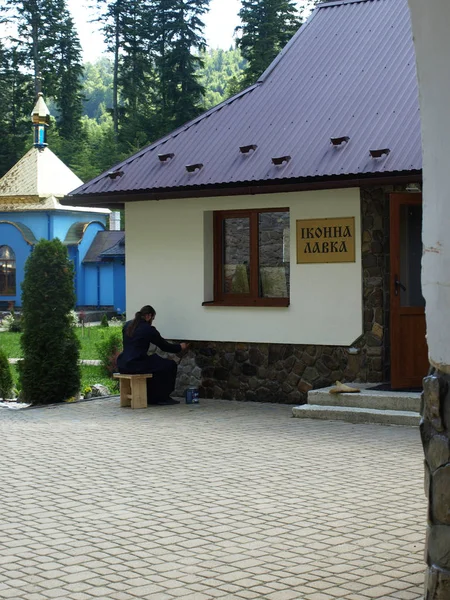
x,y
45,54
97,151
104,321
136,77
16,325
66,57
177,41
6,379
156,46
220,69
16,100
267,26
118,19
50,371
97,88
51,55
108,351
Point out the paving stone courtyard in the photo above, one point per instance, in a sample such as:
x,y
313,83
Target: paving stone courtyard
x,y
221,500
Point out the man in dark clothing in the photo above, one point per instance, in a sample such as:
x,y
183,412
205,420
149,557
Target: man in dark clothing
x,y
137,337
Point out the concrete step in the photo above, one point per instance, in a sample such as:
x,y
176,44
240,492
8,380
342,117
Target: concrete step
x,y
378,400
356,414
366,406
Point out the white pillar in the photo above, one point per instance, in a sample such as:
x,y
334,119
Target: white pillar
x,y
431,26
431,29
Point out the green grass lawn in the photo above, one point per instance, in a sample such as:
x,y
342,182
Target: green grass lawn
x,y
88,336
91,375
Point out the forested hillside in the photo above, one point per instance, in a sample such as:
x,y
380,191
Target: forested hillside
x,y
219,74
220,68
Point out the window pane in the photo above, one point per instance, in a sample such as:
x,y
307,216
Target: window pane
x,y
7,271
411,255
7,278
274,256
7,253
236,268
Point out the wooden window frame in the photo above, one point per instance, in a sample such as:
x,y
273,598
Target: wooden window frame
x,y
251,299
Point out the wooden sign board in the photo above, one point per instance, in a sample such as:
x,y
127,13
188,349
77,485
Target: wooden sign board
x,y
326,240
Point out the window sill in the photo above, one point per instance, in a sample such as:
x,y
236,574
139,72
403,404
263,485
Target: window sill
x,y
271,302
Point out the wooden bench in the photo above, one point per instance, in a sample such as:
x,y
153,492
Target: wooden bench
x,y
133,389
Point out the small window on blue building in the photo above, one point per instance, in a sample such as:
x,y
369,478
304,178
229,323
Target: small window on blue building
x,y
7,271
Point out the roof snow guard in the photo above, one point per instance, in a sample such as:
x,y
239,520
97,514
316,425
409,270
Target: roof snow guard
x,y
357,80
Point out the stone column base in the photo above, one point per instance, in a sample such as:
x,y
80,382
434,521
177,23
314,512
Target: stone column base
x,y
437,584
435,433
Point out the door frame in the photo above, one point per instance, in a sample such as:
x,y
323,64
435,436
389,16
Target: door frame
x,y
396,200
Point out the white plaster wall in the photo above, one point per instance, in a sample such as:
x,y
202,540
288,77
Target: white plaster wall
x,y
167,242
431,26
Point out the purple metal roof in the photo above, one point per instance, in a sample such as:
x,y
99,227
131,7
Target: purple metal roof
x,y
349,71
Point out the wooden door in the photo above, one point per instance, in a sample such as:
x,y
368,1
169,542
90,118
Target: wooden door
x,y
409,352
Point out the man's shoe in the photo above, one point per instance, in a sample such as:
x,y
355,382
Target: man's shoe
x,y
168,401
165,402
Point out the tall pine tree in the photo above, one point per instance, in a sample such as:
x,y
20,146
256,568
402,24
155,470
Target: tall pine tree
x,y
183,59
163,32
267,26
16,98
178,42
127,27
156,46
112,18
136,76
66,56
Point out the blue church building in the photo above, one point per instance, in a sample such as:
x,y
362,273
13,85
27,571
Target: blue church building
x,y
30,210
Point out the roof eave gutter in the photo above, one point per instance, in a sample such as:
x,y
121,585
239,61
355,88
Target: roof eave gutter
x,y
118,200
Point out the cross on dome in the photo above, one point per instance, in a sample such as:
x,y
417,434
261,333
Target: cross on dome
x,y
40,118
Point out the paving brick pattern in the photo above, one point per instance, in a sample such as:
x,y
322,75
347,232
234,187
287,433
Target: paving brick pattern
x,y
221,500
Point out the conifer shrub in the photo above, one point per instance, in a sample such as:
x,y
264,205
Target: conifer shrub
x,y
6,379
16,325
104,321
49,371
108,350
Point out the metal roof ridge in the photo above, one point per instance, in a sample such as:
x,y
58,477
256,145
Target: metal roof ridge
x,y
117,243
293,40
328,3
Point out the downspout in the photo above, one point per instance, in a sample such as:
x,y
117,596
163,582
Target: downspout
x,y
98,286
49,227
76,271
